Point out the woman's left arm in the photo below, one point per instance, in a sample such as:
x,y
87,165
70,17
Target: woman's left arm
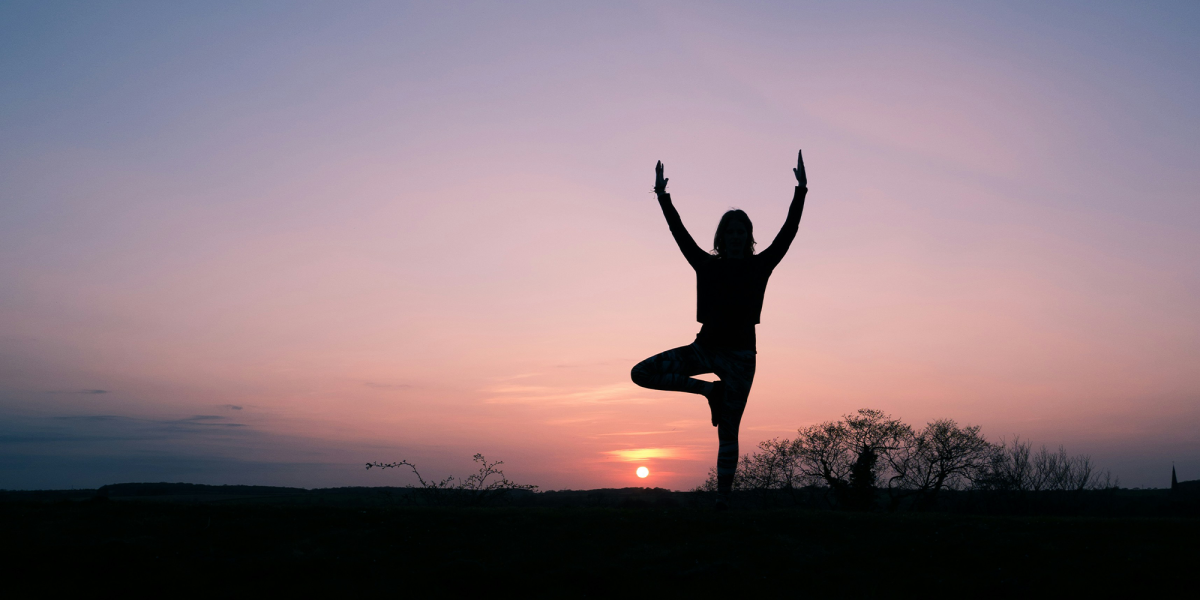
x,y
783,240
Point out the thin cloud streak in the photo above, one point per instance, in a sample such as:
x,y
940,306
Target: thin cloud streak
x,y
389,386
644,454
620,393
623,433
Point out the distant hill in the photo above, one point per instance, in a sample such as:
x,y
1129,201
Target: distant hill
x,y
138,490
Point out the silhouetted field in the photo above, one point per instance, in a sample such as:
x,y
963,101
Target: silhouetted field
x,y
240,539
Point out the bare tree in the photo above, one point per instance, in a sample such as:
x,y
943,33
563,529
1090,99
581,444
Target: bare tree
x,y
1058,471
823,453
1015,467
845,455
1010,467
942,455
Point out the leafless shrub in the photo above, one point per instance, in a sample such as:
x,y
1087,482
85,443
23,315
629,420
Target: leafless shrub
x,y
772,467
1015,467
868,449
478,488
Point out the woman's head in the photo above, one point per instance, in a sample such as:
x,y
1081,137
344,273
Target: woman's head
x,y
735,235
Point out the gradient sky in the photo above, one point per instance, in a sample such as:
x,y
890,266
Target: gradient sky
x,y
269,242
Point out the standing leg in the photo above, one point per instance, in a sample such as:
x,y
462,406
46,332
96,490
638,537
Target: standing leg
x,y
672,371
736,369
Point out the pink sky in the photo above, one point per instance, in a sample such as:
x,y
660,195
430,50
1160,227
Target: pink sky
x,y
387,231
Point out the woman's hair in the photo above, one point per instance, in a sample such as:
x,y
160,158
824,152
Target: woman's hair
x,y
719,240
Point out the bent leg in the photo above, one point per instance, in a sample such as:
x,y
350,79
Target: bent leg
x,y
672,371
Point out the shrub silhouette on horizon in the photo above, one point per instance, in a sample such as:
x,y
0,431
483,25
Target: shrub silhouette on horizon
x,y
478,488
868,451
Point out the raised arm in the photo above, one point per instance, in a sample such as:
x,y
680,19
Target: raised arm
x,y
691,251
783,240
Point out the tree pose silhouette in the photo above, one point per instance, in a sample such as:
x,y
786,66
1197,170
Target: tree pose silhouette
x,y
730,284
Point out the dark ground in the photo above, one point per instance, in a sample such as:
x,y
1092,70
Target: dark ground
x,y
237,540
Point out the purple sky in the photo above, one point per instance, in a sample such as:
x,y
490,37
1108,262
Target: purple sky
x,y
267,243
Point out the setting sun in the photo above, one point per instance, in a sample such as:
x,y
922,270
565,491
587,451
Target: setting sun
x,y
642,472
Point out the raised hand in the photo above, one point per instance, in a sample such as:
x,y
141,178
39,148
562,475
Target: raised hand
x,y
801,176
660,184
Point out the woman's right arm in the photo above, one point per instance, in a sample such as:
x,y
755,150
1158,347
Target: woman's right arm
x,y
691,251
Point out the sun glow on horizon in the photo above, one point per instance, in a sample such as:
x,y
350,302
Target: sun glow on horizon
x,y
640,454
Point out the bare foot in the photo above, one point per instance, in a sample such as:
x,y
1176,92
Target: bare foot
x,y
716,397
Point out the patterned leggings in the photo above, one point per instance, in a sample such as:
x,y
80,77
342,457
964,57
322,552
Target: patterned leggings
x,y
673,370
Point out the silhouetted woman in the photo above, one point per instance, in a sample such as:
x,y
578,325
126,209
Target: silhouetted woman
x,y
730,283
